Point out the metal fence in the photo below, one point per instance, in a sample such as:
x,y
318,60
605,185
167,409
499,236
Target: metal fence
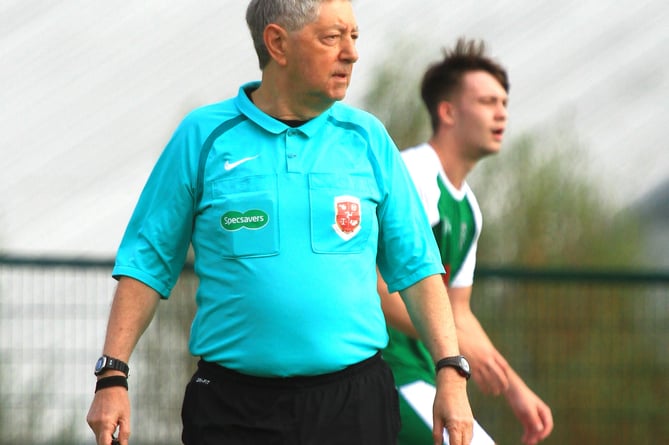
x,y
593,345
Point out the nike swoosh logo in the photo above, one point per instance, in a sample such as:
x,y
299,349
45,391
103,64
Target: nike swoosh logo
x,y
230,165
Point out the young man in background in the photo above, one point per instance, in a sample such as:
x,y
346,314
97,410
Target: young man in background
x,y
466,97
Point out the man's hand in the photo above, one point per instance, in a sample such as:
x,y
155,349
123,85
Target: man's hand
x,y
451,409
430,310
531,411
110,409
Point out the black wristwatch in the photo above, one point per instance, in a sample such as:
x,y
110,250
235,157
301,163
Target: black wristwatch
x,y
106,363
459,362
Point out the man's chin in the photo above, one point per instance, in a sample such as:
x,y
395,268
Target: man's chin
x,y
339,94
488,151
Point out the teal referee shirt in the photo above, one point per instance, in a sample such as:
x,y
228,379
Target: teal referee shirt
x,y
287,225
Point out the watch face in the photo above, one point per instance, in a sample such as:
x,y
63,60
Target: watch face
x,y
465,364
100,364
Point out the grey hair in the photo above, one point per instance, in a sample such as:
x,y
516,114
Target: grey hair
x,y
292,15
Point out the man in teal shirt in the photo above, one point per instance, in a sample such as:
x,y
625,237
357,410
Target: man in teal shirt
x,y
289,198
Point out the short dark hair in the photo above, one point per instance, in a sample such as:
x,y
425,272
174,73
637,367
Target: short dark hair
x,y
443,79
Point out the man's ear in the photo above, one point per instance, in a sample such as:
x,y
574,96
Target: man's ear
x,y
446,112
276,39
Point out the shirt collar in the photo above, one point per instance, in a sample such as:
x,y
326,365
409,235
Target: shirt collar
x,y
250,110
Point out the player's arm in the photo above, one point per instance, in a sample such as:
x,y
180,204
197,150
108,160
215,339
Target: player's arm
x,y
493,374
394,310
489,368
430,311
132,310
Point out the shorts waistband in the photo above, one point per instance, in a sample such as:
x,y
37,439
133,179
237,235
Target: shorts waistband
x,y
215,370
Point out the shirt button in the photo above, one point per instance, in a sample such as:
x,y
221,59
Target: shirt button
x,y
291,155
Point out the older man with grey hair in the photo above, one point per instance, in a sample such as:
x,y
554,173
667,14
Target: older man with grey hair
x,y
290,199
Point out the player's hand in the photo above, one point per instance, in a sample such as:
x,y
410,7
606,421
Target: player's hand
x,y
488,365
452,410
110,409
489,371
531,411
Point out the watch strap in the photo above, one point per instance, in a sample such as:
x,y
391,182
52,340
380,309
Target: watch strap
x,y
455,362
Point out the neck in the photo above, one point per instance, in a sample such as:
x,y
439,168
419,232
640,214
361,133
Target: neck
x,y
280,100
455,164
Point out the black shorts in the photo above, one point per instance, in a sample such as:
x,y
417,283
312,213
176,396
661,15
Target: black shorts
x,y
355,406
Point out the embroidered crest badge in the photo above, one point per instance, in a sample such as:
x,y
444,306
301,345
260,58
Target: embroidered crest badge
x,y
347,216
